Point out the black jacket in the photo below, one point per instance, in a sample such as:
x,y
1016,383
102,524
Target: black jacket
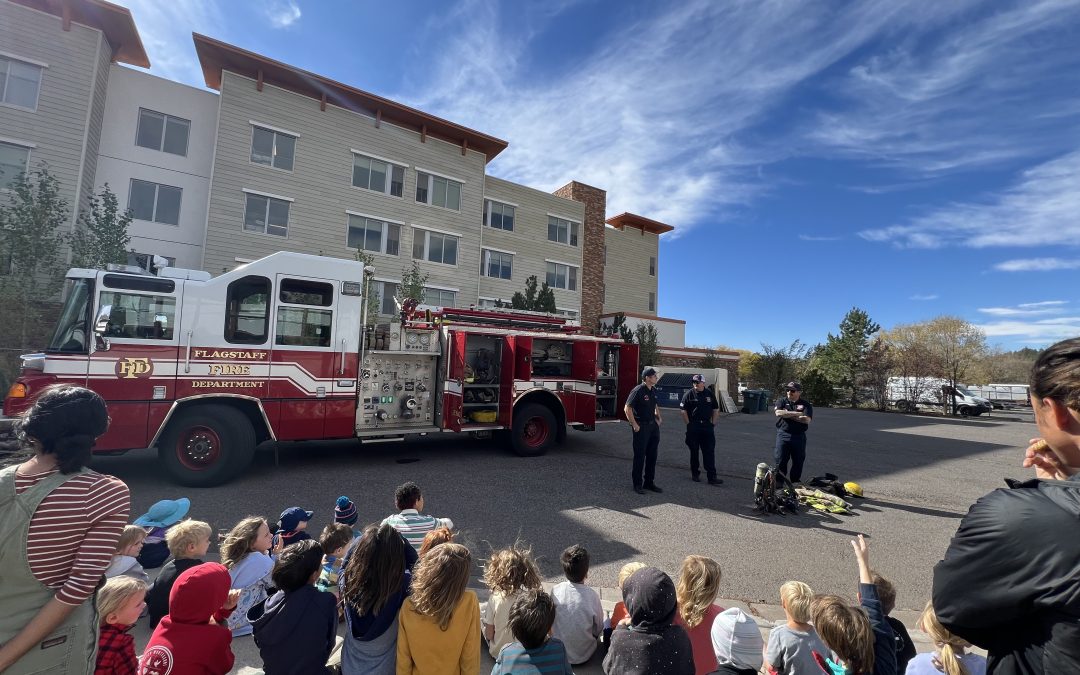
x,y
296,631
157,598
1009,582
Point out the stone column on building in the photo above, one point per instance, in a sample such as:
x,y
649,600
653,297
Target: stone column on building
x,y
592,270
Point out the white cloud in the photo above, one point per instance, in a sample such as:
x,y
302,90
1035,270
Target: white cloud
x,y
165,29
282,13
811,237
1039,209
922,297
1043,330
1037,265
1044,303
1020,310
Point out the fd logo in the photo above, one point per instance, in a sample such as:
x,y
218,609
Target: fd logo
x,y
131,368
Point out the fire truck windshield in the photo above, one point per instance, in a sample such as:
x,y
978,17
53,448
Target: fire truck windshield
x,y
72,331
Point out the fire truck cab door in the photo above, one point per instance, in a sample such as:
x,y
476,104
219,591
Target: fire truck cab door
x,y
304,358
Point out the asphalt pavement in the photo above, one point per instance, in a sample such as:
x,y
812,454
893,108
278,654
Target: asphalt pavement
x,y
920,474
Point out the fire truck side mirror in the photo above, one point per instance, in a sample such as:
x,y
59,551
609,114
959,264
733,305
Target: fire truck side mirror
x,y
101,324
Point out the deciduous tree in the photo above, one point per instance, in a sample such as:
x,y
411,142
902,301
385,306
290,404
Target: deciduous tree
x,y
647,339
101,234
958,346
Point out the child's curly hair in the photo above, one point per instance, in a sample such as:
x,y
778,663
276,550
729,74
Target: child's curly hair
x,y
699,584
511,569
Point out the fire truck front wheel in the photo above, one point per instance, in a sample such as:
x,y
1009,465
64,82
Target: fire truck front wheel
x,y
533,431
207,445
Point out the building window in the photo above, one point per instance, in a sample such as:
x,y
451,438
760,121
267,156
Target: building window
x,y
439,297
497,264
563,231
568,313
438,191
652,266
154,202
19,83
267,215
434,247
375,174
652,301
499,215
272,148
385,292
162,132
13,161
562,276
370,234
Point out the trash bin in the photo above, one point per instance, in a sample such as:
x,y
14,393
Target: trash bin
x,y
751,401
764,396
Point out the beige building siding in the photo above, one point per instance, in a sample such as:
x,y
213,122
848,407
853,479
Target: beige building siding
x,y
57,128
96,117
529,241
627,282
321,185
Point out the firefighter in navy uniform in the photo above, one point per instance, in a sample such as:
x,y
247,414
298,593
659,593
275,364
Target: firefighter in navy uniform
x,y
644,417
793,419
700,411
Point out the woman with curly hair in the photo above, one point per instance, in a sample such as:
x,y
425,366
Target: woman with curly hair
x,y
509,572
437,624
60,523
699,584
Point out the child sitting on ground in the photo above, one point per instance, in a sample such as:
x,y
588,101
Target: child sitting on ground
x,y
345,513
649,644
333,541
699,584
619,613
535,651
125,559
579,619
440,535
188,541
508,573
736,643
409,521
119,604
859,636
950,657
246,554
295,630
905,648
791,647
292,526
192,637
157,521
437,623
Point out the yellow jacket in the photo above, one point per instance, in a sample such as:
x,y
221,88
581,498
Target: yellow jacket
x,y
424,649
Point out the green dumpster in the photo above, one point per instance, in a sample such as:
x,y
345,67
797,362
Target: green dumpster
x,y
751,401
764,397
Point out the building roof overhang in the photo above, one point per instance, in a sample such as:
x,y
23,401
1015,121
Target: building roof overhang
x,y
216,56
624,220
114,21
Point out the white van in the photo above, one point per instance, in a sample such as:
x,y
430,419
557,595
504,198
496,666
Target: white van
x,y
907,393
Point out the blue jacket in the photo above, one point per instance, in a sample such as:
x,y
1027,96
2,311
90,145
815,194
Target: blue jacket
x,y
296,632
884,637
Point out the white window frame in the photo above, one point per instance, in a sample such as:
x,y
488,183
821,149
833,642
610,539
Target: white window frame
x,y
277,132
8,57
440,290
391,164
157,192
485,263
427,232
572,227
29,147
266,218
487,214
385,233
558,264
382,297
431,176
164,128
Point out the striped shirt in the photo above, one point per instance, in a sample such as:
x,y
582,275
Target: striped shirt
x,y
414,526
548,658
73,533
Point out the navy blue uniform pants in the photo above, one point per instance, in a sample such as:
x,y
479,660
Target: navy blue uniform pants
x,y
701,437
790,447
646,442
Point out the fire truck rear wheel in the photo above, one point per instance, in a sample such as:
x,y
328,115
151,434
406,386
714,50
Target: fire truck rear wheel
x,y
533,431
207,445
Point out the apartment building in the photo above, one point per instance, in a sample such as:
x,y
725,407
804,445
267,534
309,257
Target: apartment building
x,y
54,67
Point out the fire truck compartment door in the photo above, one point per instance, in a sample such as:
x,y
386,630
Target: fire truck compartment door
x,y
453,384
629,376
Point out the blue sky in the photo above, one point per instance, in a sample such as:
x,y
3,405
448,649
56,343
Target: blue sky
x,y
908,157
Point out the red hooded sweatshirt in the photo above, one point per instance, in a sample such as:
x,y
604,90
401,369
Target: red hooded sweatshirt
x,y
185,642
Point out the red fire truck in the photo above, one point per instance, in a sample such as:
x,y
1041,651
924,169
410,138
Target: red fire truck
x,y
204,369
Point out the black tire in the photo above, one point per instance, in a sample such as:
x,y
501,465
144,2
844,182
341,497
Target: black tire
x,y
903,405
964,411
207,445
533,430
